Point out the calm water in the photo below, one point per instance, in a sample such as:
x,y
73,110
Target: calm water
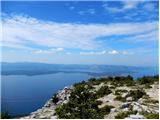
x,y
23,94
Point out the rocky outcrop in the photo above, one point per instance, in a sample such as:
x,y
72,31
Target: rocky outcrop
x,y
48,110
134,108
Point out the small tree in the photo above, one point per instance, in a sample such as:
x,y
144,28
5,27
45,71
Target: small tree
x,y
55,99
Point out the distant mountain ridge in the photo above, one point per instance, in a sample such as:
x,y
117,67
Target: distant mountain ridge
x,y
30,68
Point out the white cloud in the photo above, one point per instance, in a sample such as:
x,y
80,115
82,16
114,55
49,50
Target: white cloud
x,y
151,36
113,52
126,5
52,50
21,31
59,49
93,53
89,11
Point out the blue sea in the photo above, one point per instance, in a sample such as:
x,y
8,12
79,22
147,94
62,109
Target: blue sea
x,y
22,94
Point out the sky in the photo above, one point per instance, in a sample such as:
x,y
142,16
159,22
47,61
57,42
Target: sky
x,y
81,32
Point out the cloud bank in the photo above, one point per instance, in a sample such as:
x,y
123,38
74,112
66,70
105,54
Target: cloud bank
x,y
24,32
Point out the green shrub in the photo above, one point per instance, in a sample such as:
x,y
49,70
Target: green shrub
x,y
151,116
55,99
136,94
104,90
119,92
148,79
147,86
120,98
112,87
151,101
122,115
106,109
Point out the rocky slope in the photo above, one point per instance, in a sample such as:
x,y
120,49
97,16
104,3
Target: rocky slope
x,y
48,110
124,99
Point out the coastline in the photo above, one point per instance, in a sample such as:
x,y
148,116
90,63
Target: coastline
x,y
48,110
139,105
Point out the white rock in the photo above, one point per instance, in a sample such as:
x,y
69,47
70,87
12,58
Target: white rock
x,y
113,110
53,117
145,108
125,109
42,117
136,117
124,94
129,99
137,108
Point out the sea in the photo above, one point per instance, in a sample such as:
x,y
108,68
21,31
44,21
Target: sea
x,y
23,94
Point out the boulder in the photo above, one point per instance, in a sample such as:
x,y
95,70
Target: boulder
x,y
137,116
125,109
124,95
129,99
113,110
125,105
137,108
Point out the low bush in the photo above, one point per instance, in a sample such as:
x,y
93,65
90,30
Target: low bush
x,y
55,99
104,90
148,80
106,109
122,115
151,116
136,94
120,98
151,101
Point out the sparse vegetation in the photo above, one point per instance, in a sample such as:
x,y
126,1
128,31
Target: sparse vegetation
x,y
122,115
83,103
5,115
148,80
136,94
120,98
104,90
151,115
55,98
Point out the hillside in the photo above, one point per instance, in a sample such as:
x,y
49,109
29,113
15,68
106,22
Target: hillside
x,y
109,98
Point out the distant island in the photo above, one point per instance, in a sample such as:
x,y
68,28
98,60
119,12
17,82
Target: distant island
x,y
30,69
108,97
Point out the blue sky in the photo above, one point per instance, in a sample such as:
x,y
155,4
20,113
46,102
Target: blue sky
x,y
101,32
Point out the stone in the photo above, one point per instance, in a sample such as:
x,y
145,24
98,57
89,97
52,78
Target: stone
x,y
136,116
145,108
53,117
129,99
125,109
137,108
42,117
65,101
113,110
124,95
125,105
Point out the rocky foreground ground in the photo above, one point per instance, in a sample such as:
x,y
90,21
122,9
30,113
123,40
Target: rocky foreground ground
x,y
124,104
